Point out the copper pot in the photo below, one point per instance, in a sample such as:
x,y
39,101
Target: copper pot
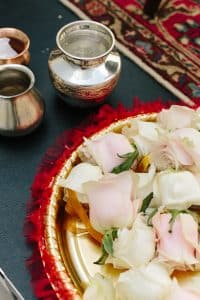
x,y
21,45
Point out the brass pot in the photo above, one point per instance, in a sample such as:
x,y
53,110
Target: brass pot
x,y
22,44
21,105
85,67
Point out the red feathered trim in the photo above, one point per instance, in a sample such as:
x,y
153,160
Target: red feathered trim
x,y
41,264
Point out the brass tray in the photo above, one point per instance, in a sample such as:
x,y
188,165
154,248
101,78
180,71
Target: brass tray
x,y
74,254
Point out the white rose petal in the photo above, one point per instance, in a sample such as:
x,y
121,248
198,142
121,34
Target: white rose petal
x,y
190,139
176,190
176,117
130,248
100,288
148,130
79,175
143,134
150,282
145,185
177,292
169,152
143,145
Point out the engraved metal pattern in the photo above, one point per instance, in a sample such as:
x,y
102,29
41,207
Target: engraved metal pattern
x,y
79,80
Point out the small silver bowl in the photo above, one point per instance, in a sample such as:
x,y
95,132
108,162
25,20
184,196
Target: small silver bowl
x,y
21,105
85,66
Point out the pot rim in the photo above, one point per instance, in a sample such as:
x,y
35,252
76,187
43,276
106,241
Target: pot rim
x,y
22,69
5,31
82,22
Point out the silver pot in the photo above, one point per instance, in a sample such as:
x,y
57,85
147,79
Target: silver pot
x,y
21,105
85,67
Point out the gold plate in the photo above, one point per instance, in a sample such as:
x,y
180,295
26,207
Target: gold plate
x,y
74,254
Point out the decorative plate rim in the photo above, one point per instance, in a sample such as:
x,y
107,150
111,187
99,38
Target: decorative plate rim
x,y
48,244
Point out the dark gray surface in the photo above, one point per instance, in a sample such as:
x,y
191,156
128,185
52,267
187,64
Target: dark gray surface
x,y
20,157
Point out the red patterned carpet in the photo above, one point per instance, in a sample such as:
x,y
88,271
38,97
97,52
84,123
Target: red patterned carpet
x,y
167,47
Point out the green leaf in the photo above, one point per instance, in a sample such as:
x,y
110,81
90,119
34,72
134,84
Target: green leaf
x,y
151,215
102,259
107,245
114,233
174,214
127,155
146,202
108,242
127,164
108,239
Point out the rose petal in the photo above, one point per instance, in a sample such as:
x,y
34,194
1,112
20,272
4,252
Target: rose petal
x,y
177,292
176,248
176,190
110,201
100,288
143,134
190,138
145,185
176,117
130,247
79,175
150,282
106,150
143,145
170,152
148,130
